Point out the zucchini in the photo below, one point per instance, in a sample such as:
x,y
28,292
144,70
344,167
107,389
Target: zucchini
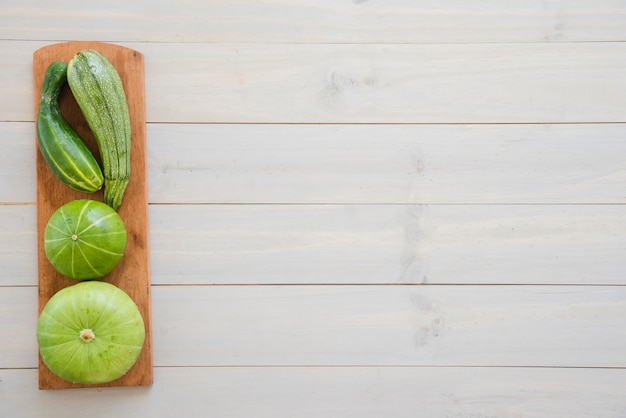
x,y
62,148
98,90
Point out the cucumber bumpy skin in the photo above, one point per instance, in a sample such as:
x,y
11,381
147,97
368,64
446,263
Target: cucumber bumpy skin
x,y
62,148
98,90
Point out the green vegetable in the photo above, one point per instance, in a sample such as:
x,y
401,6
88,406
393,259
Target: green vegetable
x,y
91,332
62,148
85,239
98,90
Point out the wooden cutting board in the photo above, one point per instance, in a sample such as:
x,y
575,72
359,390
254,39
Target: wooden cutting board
x,y
133,273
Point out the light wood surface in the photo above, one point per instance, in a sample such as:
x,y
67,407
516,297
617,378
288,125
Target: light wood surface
x,y
375,325
375,83
132,274
356,208
362,244
347,392
364,164
314,21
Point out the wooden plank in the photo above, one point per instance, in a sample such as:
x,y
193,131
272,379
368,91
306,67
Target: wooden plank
x,y
400,21
361,244
373,83
132,274
213,163
18,245
514,326
336,244
387,163
525,83
392,325
16,74
18,319
18,176
341,392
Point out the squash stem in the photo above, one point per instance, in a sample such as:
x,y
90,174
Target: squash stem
x,y
87,335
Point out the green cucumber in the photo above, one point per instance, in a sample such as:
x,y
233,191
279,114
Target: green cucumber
x,y
62,148
98,90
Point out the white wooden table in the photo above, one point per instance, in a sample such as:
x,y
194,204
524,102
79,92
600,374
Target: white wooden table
x,y
357,208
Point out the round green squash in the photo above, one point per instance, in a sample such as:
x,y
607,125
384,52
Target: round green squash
x,y
91,332
85,239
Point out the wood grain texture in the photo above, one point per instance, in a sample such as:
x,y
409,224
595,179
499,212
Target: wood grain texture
x,y
399,164
338,392
392,325
475,83
18,179
361,244
401,326
132,274
347,164
389,244
327,21
18,244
